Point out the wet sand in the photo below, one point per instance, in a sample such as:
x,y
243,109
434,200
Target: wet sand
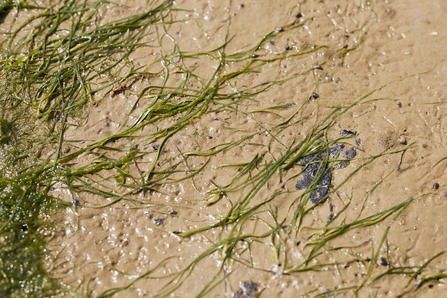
x,y
398,47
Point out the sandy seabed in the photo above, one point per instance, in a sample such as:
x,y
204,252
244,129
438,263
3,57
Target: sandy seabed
x,y
396,48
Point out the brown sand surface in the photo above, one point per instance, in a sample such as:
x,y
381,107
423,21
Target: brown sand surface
x,y
399,45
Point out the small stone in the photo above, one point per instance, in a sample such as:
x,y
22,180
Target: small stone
x,y
315,95
444,193
436,186
402,140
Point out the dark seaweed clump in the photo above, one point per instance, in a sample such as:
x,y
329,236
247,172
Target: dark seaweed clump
x,y
316,169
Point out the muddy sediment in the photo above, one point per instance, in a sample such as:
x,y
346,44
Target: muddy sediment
x,y
381,65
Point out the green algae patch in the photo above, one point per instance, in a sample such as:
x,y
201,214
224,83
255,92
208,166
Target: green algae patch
x,y
6,6
45,79
24,205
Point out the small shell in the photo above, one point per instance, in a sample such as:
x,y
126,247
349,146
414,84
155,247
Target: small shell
x,y
402,140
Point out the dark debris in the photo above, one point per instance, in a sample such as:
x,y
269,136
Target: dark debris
x,y
154,146
159,221
347,133
382,262
314,167
248,289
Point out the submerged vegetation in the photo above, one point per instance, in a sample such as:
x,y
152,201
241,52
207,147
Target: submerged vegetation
x,y
54,66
